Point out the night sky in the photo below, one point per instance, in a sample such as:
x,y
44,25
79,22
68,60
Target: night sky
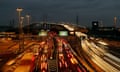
x,y
62,10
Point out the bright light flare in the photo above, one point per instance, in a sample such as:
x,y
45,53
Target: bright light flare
x,y
43,42
103,43
73,61
69,28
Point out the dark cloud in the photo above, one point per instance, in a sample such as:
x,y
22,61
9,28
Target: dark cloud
x,y
62,10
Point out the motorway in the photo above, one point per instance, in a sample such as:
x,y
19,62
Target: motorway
x,y
55,53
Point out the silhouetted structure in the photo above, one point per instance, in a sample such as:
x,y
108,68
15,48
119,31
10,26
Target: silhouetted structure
x,y
77,20
95,25
105,32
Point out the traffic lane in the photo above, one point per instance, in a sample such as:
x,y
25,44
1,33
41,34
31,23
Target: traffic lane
x,y
14,56
41,63
75,61
10,55
114,50
27,63
69,63
108,57
5,58
67,59
72,55
83,58
43,56
111,47
99,60
88,54
85,61
11,63
6,46
75,44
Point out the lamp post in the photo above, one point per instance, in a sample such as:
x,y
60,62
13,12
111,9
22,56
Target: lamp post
x,y
21,25
115,21
19,10
20,21
21,35
28,23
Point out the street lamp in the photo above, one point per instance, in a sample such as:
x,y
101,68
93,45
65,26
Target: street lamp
x,y
19,10
21,25
20,22
115,21
28,23
21,35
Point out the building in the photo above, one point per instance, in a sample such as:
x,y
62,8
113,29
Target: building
x,y
95,25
